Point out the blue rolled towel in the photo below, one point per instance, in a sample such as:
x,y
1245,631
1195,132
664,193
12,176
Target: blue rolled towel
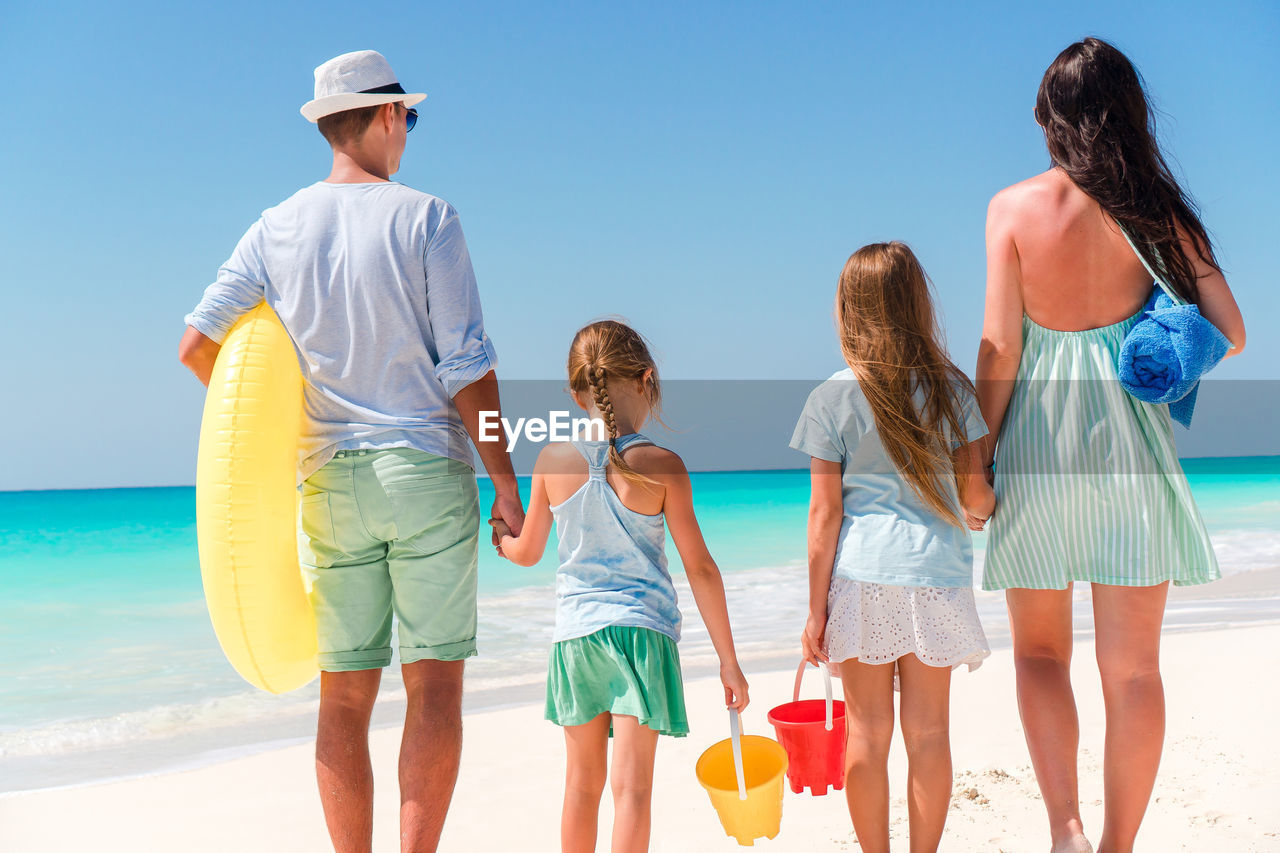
x,y
1166,352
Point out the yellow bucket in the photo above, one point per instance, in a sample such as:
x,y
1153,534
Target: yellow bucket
x,y
764,764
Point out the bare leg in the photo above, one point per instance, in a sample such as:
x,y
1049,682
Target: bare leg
x,y
634,747
925,713
1040,620
587,748
343,770
429,750
868,698
1127,621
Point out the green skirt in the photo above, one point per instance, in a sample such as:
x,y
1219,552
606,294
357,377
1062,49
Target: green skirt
x,y
633,672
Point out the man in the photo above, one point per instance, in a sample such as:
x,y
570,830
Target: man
x,y
374,284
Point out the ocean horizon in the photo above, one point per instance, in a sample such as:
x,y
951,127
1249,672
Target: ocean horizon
x,y
112,668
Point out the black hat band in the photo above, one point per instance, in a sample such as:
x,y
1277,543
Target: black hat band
x,y
389,89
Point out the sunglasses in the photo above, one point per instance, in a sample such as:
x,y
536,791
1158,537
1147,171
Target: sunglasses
x,y
410,119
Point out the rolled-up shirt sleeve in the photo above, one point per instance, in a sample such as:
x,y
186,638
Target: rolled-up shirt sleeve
x,y
241,284
453,308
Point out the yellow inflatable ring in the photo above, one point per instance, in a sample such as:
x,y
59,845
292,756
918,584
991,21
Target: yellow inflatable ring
x,y
246,507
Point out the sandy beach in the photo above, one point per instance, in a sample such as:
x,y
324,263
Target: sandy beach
x,y
1217,788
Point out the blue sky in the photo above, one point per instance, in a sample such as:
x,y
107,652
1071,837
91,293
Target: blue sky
x,y
701,169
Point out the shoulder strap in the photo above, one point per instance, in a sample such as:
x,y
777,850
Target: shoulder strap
x,y
597,453
597,456
1159,279
629,440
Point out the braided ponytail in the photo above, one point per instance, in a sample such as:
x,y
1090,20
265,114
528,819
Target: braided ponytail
x,y
609,349
600,395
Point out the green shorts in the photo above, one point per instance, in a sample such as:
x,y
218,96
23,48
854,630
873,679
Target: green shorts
x,y
391,530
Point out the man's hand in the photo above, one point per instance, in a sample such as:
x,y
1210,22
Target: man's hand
x,y
198,353
506,516
500,529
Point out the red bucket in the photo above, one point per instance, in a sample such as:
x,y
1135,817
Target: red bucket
x,y
812,731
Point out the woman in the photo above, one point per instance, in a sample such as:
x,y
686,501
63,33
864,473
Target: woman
x,y
1087,478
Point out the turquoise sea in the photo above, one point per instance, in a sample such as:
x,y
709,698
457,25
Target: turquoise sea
x,y
110,667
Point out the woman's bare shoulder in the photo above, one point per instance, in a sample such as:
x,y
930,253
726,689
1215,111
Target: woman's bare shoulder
x,y
1030,193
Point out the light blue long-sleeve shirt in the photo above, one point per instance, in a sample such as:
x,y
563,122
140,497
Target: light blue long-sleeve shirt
x,y
374,285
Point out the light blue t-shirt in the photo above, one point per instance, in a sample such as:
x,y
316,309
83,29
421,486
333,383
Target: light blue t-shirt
x,y
888,536
374,285
613,560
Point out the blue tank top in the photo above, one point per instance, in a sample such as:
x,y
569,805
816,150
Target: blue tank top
x,y
613,561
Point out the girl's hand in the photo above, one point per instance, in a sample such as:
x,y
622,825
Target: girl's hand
x,y
813,639
735,686
504,542
974,522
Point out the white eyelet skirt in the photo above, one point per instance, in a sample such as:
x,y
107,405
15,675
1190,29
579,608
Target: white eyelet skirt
x,y
878,624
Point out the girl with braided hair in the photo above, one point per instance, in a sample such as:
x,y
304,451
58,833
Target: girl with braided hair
x,y
614,669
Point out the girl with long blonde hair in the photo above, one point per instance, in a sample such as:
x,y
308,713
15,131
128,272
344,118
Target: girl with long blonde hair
x,y
614,669
896,479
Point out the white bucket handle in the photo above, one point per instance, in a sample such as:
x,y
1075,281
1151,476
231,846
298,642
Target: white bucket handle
x,y
826,679
735,734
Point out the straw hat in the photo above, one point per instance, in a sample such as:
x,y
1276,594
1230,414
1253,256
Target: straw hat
x,y
359,79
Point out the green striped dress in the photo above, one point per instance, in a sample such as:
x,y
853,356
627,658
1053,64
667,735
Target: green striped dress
x,y
1088,483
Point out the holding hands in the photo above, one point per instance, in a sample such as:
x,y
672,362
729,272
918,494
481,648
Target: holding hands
x,y
506,518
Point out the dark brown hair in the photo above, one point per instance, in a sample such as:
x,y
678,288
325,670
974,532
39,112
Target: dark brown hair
x,y
1101,131
890,337
609,351
348,125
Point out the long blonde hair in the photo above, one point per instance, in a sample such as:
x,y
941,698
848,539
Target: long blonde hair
x,y
890,338
606,351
